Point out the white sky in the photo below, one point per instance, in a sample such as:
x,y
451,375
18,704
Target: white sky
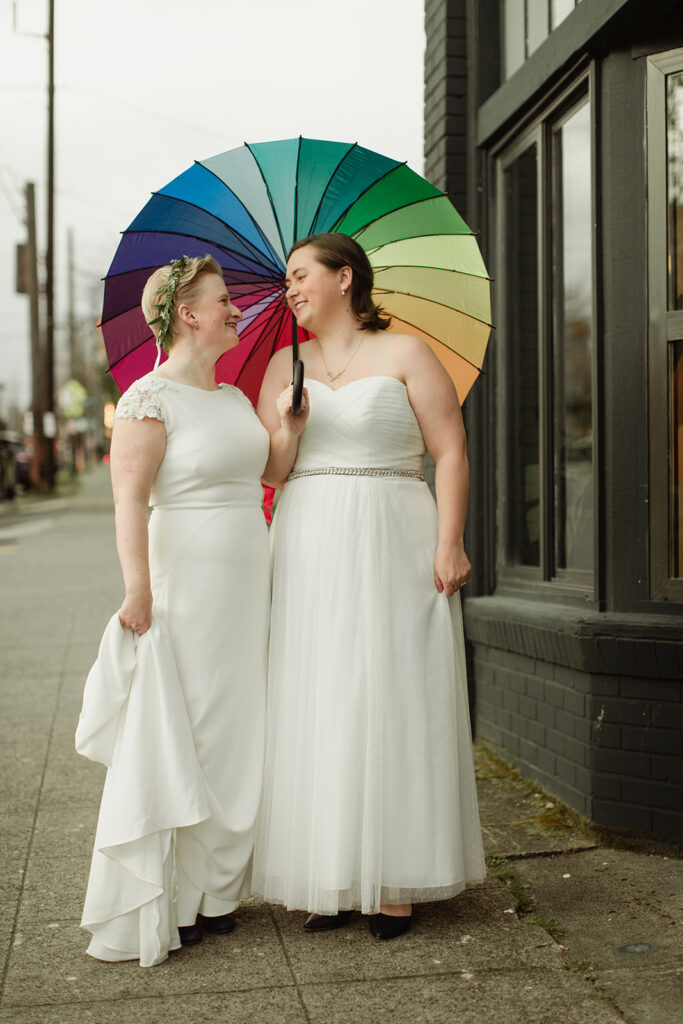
x,y
145,87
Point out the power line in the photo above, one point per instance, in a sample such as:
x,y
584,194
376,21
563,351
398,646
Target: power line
x,y
12,192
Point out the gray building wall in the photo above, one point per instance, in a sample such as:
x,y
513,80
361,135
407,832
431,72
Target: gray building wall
x,y
587,700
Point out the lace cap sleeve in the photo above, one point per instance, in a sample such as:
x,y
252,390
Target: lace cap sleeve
x,y
141,401
240,394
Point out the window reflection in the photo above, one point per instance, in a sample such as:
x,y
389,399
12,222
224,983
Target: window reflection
x,y
560,9
521,335
573,342
536,25
513,21
675,188
526,23
677,461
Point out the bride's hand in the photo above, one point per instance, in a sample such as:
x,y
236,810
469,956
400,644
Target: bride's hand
x,y
452,568
292,425
136,612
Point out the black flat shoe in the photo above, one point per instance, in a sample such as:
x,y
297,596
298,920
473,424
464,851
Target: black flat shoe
x,y
220,925
190,934
328,922
385,926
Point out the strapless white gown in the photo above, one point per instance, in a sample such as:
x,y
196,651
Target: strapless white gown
x,y
369,791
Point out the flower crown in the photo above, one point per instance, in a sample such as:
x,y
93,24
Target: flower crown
x,y
178,268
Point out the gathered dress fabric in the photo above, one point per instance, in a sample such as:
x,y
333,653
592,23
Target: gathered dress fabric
x,y
369,790
210,577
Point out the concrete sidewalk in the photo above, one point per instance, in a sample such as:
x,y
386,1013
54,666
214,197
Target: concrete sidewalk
x,y
564,931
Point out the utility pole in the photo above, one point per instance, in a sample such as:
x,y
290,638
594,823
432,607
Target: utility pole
x,y
49,254
42,449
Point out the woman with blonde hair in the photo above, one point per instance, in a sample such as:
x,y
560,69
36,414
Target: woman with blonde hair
x,y
195,451
369,798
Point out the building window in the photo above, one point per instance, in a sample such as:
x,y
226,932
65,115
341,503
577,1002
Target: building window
x,y
522,366
665,259
526,23
573,341
546,330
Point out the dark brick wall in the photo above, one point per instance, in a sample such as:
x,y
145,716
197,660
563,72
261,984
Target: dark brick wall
x,y
535,712
445,145
637,756
609,746
593,714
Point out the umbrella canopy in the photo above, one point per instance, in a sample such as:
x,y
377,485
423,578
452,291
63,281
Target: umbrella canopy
x,y
247,207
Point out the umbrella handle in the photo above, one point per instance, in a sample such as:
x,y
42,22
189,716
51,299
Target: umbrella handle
x,y
298,382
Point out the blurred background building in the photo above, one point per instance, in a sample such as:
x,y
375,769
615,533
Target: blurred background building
x,y
557,129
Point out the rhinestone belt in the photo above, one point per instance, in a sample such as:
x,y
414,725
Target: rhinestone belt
x,y
412,474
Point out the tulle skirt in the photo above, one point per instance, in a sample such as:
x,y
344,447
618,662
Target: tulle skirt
x,y
369,791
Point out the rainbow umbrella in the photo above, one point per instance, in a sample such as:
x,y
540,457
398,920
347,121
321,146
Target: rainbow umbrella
x,y
246,207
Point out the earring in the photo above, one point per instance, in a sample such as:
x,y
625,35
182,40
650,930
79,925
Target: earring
x,y
343,291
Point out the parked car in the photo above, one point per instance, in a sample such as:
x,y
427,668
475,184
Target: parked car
x,y
14,465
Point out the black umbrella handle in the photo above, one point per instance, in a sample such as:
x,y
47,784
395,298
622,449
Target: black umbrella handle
x,y
298,390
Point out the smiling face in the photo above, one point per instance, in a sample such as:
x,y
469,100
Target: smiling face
x,y
313,291
215,314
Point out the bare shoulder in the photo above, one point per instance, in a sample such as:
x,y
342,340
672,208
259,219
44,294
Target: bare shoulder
x,y
280,367
410,353
406,344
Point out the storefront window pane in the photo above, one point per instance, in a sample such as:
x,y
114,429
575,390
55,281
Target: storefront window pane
x,y
513,20
675,189
559,10
573,342
521,334
536,24
677,461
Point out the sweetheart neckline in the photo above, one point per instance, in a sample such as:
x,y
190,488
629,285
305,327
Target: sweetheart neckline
x,y
358,380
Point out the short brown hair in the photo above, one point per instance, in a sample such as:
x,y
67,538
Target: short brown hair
x,y
336,250
186,290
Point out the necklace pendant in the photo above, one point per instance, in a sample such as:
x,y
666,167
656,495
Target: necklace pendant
x,y
333,376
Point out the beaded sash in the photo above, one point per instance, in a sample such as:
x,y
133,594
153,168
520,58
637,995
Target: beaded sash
x,y
412,474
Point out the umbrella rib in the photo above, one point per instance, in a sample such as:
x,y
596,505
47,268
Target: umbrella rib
x,y
434,302
367,189
274,283
352,146
296,190
248,213
199,238
439,342
406,206
126,354
270,197
422,266
220,221
281,312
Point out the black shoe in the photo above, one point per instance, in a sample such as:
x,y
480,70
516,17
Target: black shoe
x,y
220,925
328,922
190,934
385,926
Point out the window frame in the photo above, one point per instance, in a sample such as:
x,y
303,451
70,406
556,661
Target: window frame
x,y
582,585
664,328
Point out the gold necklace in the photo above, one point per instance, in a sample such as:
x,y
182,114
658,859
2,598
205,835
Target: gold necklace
x,y
335,376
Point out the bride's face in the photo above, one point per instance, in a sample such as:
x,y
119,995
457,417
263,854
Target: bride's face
x,y
215,314
313,291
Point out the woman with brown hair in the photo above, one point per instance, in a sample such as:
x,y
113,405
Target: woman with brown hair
x,y
369,798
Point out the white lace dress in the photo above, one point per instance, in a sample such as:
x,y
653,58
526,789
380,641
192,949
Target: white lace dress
x,y
210,574
369,792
